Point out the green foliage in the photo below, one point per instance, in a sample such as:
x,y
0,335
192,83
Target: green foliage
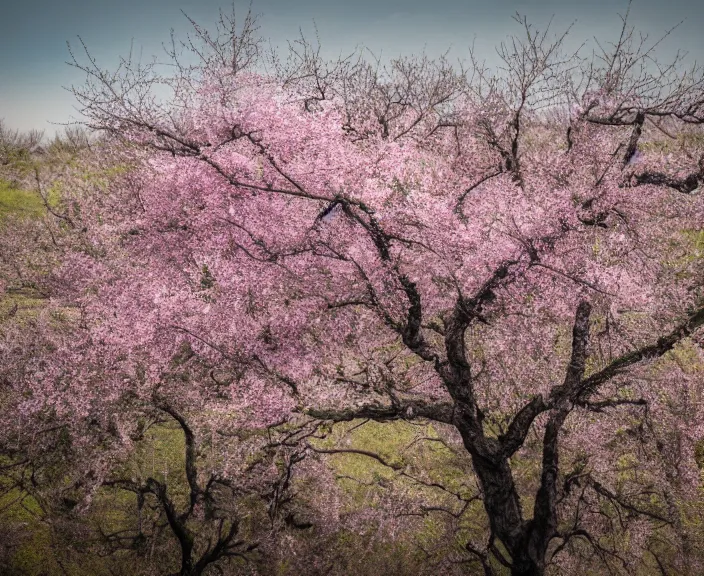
x,y
102,178
20,307
21,517
161,456
683,140
24,203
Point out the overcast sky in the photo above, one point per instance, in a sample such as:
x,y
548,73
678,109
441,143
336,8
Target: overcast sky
x,y
33,33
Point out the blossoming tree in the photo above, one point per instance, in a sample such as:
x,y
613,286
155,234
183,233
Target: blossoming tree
x,y
515,256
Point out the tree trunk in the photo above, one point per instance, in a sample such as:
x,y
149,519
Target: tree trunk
x,y
529,558
525,541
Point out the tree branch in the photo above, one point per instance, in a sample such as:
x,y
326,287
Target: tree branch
x,y
685,185
590,385
401,410
191,454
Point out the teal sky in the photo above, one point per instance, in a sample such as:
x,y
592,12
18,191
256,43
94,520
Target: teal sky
x,y
33,34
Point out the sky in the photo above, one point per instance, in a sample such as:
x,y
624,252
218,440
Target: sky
x,y
33,34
